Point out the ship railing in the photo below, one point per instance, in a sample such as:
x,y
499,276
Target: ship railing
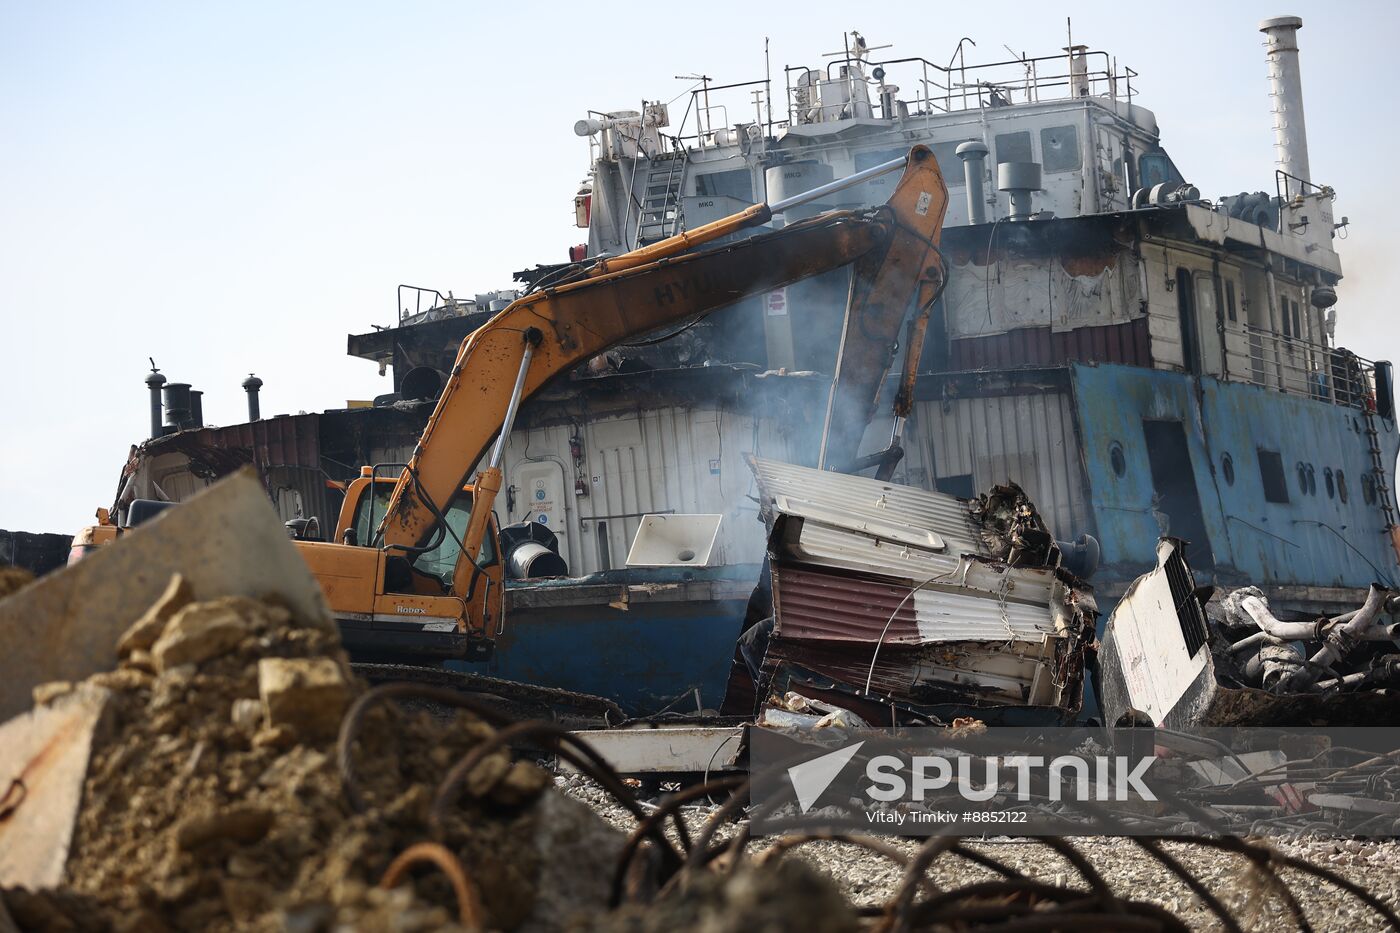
x,y
935,88
1300,367
958,86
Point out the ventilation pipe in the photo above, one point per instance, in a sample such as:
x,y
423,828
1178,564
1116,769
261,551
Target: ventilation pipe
x,y
196,408
1019,179
251,385
1286,88
177,407
974,157
153,382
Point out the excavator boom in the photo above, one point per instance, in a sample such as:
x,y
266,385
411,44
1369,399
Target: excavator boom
x,y
551,331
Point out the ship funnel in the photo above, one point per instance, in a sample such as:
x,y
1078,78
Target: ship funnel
x,y
974,156
1286,88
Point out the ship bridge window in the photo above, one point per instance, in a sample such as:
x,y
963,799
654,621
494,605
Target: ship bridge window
x,y
1059,149
1014,147
737,184
946,155
1271,475
1154,168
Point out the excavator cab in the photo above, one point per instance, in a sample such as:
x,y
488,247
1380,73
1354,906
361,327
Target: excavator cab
x,y
362,510
424,605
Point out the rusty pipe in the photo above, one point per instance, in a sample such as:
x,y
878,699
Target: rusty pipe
x,y
1338,643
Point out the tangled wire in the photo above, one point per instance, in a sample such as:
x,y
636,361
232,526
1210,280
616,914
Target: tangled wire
x,y
653,865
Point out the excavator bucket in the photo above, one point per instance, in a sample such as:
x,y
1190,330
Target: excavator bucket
x,y
227,541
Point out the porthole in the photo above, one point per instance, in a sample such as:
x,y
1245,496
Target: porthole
x,y
1117,460
1341,486
1368,488
1327,479
1227,468
1312,480
1307,479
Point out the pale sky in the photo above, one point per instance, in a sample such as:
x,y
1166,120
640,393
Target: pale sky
x,y
233,188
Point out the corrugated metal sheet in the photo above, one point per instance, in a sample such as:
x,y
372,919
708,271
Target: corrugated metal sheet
x,y
1030,440
831,607
1041,346
286,452
857,502
292,440
680,459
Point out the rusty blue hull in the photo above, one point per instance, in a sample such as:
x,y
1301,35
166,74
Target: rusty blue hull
x,y
650,640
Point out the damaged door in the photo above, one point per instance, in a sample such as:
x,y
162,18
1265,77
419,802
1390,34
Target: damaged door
x,y
1176,500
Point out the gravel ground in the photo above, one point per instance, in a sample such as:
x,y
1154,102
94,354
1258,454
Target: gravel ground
x,y
870,879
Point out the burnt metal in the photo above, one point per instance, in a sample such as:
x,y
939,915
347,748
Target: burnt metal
x,y
37,553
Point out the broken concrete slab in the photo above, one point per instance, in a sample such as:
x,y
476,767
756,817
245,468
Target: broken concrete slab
x,y
44,758
227,540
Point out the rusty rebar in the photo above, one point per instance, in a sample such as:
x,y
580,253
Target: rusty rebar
x,y
469,913
354,716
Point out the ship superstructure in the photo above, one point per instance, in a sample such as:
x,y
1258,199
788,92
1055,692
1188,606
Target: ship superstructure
x,y
1140,359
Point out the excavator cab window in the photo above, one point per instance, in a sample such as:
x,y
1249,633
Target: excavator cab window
x,y
440,561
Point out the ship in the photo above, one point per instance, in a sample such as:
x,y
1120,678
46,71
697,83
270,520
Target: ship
x,y
1142,360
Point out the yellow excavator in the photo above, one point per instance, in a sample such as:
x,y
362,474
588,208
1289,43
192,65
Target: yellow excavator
x,y
414,568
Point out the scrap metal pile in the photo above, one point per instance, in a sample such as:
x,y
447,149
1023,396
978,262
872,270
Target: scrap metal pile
x,y
1319,655
1174,656
909,605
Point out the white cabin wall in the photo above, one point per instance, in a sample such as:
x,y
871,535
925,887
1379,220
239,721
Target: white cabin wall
x,y
982,300
678,459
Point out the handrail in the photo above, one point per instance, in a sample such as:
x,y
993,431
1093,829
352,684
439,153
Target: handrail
x,y
954,87
1296,366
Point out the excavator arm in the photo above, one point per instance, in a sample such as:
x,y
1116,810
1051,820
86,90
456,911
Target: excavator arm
x,y
551,331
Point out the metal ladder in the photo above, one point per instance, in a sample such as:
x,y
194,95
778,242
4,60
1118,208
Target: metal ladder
x,y
661,201
1378,465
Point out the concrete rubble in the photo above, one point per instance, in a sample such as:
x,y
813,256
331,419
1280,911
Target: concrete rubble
x,y
195,815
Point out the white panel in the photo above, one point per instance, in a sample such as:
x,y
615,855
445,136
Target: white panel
x,y
1156,668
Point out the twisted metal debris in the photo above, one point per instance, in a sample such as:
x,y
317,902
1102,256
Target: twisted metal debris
x,y
653,866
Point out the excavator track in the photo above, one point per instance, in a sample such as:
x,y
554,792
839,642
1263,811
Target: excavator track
x,y
521,701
